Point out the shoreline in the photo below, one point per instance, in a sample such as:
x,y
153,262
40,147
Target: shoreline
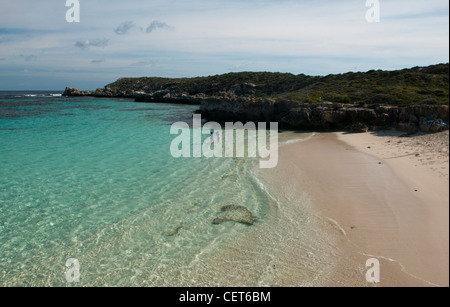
x,y
375,199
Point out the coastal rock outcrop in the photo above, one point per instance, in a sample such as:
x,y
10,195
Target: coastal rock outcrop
x,y
161,96
292,114
409,100
75,93
238,214
328,115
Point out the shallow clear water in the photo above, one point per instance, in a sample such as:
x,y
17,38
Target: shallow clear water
x,y
93,179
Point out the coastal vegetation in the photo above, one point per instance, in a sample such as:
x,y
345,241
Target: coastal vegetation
x,y
418,85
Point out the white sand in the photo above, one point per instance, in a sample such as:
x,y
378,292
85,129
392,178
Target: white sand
x,y
382,197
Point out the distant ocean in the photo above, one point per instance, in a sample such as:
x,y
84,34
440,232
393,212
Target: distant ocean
x,y
93,180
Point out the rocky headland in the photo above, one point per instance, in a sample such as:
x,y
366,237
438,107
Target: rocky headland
x,y
410,100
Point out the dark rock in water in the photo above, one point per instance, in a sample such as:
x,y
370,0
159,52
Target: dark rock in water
x,y
173,232
74,92
233,213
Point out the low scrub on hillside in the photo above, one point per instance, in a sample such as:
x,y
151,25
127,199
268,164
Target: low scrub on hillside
x,y
419,85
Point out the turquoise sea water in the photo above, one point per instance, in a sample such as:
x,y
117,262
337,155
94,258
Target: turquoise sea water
x,y
93,179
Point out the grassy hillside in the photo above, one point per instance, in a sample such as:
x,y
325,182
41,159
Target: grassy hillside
x,y
419,85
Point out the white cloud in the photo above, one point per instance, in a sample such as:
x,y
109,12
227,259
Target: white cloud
x,y
157,25
101,43
240,66
28,58
124,28
98,61
142,63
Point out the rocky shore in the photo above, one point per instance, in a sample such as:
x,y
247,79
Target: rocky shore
x,y
409,100
293,115
329,115
162,96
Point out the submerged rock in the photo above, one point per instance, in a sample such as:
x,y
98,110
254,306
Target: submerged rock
x,y
233,213
173,232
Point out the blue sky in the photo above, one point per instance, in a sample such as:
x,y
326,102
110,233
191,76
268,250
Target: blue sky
x,y
39,49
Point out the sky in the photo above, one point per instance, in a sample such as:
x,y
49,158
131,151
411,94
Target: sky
x,y
41,50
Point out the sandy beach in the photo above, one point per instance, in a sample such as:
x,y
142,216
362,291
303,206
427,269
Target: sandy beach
x,y
378,195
